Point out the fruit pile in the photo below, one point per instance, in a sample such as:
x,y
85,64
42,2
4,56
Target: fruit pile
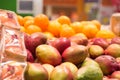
x,y
64,50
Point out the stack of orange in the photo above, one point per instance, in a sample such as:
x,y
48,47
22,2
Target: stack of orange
x,y
62,27
66,31
42,21
30,24
54,28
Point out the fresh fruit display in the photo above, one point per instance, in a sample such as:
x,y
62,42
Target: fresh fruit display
x,y
57,49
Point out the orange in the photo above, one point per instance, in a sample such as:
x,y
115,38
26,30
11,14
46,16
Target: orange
x,y
66,31
27,18
20,20
42,21
32,29
105,34
64,20
54,27
90,30
28,22
97,23
77,26
22,29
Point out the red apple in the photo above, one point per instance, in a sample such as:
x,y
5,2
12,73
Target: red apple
x,y
60,43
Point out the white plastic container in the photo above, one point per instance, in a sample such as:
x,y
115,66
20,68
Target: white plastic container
x,y
115,23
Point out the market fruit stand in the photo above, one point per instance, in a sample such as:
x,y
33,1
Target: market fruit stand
x,y
37,52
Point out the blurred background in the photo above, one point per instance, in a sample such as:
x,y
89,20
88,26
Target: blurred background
x,y
75,9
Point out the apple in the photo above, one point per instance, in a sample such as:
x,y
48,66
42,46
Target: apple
x,y
60,43
95,51
48,54
35,71
108,64
75,54
113,50
33,40
61,73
